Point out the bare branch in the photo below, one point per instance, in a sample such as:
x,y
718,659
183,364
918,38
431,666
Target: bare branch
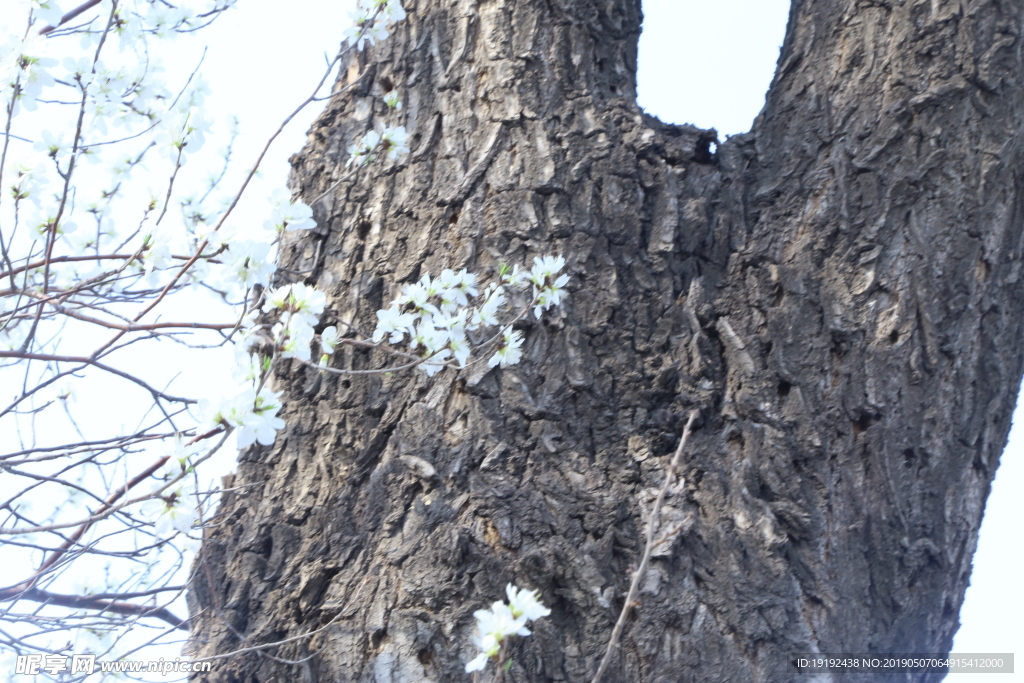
x,y
92,603
648,548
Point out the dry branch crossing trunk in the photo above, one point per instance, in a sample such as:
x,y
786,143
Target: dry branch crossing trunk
x,y
839,292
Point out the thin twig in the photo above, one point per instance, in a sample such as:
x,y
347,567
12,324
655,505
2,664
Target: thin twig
x,y
642,569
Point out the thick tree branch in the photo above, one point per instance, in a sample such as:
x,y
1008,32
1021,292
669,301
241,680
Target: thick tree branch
x,y
68,16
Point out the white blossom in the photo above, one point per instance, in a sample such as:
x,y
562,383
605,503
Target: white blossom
x,y
545,267
392,10
307,302
428,336
28,184
550,296
298,216
391,140
394,140
419,294
494,625
289,215
361,152
33,77
216,238
79,67
547,289
371,20
439,313
79,242
329,339
252,415
182,131
249,336
179,511
249,263
394,323
294,337
229,411
487,314
53,145
375,33
181,452
459,346
248,366
489,648
303,301
514,276
456,288
500,621
524,602
510,352
162,20
261,422
277,297
48,11
354,33
157,255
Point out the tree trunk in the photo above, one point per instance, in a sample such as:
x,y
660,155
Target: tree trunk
x,y
839,292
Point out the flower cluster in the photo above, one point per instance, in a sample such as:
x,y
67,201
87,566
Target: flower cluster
x,y
25,72
251,413
548,286
371,21
182,132
494,625
435,316
301,305
249,263
289,215
177,511
391,142
329,340
509,353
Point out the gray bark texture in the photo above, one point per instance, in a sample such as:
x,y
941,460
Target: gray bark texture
x,y
838,291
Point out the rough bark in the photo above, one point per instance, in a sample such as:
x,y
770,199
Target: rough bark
x,y
839,291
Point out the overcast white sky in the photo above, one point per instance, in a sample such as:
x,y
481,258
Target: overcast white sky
x,y
702,63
